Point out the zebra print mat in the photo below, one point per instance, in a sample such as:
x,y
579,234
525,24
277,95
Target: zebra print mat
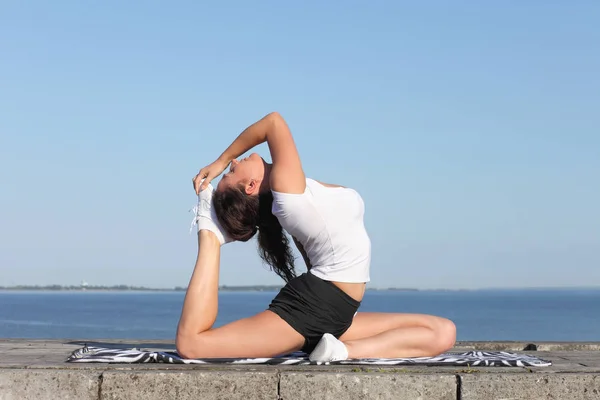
x,y
470,358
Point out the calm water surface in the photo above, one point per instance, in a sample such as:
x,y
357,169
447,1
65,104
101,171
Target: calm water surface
x,y
538,315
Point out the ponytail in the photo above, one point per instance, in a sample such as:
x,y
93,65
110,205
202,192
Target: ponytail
x,y
242,216
274,245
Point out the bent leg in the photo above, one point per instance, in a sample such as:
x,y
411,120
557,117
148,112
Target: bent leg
x,y
262,335
390,335
200,304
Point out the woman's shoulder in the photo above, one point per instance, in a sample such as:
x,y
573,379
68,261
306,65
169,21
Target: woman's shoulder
x,y
313,187
309,183
327,185
296,205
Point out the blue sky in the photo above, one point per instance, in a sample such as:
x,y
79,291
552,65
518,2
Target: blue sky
x,y
471,130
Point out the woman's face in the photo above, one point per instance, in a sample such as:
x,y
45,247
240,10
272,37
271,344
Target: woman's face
x,y
245,171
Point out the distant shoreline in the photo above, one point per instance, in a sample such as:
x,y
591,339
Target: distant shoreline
x,y
125,288
250,288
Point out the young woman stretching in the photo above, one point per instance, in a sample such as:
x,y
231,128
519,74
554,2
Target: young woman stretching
x,y
315,312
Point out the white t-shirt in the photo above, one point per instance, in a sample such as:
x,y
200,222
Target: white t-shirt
x,y
328,222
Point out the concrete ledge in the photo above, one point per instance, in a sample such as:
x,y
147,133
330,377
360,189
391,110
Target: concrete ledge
x,y
36,370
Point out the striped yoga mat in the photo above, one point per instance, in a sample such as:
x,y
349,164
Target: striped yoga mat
x,y
470,358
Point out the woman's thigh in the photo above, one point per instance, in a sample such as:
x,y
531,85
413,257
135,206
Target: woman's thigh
x,y
262,335
367,324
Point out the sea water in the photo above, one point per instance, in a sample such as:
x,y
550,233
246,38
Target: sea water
x,y
523,315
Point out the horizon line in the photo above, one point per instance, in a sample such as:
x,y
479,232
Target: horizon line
x,y
123,287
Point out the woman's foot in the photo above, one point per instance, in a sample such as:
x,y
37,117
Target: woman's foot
x,y
329,349
205,216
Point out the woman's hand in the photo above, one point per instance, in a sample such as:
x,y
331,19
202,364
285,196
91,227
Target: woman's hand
x,y
208,173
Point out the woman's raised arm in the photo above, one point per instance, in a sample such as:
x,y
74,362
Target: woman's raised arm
x,y
286,176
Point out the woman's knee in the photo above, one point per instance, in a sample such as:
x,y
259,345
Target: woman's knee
x,y
187,345
445,334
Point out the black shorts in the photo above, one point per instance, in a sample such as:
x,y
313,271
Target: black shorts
x,y
314,307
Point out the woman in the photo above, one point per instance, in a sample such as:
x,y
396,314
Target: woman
x,y
315,312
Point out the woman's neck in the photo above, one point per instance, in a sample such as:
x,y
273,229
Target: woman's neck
x,y
265,185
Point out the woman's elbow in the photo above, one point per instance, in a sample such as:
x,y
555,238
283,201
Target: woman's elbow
x,y
274,115
276,119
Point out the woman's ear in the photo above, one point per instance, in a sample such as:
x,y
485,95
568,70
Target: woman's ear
x,y
252,187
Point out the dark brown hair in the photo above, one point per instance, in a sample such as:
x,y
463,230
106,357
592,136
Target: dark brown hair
x,y
242,216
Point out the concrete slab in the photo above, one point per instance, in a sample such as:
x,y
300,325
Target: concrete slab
x,y
588,358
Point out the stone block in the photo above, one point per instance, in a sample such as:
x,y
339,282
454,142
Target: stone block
x,y
359,386
47,384
533,386
190,384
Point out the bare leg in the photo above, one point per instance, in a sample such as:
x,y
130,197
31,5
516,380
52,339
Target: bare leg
x,y
388,335
263,335
201,299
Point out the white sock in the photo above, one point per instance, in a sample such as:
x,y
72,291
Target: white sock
x,y
205,216
329,349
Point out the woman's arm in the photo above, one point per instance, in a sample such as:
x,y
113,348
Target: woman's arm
x,y
201,299
286,175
